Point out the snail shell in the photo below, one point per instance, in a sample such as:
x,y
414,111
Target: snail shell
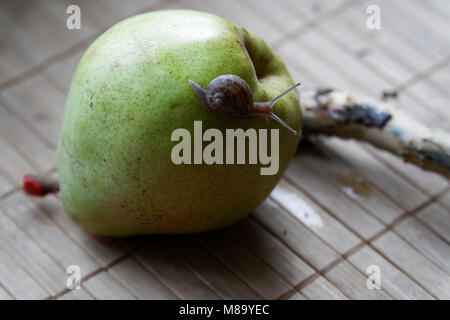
x,y
230,96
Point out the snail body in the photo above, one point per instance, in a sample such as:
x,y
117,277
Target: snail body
x,y
230,96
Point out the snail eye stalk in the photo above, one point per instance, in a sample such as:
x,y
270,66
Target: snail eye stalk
x,y
277,119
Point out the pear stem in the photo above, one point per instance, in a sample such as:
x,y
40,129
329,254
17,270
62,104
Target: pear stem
x,y
39,186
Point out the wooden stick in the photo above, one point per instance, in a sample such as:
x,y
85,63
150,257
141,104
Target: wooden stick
x,y
337,113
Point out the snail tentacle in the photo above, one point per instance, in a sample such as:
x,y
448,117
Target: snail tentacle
x,y
284,124
265,108
274,100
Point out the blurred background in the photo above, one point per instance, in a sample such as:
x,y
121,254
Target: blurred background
x,y
341,207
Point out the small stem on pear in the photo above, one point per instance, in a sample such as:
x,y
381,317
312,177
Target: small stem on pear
x,y
39,186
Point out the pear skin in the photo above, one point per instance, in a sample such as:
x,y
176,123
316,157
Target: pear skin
x,y
130,91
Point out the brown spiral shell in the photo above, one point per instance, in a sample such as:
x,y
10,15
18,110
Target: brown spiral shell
x,y
230,96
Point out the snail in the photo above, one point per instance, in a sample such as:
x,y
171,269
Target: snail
x,y
230,96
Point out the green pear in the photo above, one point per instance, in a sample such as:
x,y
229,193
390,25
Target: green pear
x,y
130,91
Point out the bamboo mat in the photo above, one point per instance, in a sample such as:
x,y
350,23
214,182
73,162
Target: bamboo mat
x,y
341,206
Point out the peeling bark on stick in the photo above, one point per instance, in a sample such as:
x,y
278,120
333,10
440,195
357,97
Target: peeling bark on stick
x,y
337,113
